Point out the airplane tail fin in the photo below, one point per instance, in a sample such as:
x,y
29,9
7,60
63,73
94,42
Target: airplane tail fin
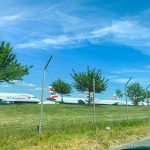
x,y
115,97
53,94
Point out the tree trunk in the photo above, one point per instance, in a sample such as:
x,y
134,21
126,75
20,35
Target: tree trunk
x,y
62,101
89,98
135,102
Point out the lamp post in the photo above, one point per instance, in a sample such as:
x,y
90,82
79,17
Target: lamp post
x,y
42,95
147,100
94,102
126,96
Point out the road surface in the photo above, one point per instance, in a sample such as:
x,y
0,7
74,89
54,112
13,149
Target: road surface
x,y
138,145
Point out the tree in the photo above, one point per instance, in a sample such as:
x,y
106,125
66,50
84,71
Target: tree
x,y
147,96
10,69
119,93
136,92
83,81
61,87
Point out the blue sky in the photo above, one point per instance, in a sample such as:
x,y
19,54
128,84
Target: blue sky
x,y
111,35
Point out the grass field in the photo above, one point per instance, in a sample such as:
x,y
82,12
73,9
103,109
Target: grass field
x,y
70,126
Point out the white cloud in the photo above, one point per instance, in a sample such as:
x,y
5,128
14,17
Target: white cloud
x,y
120,80
131,71
126,32
24,84
59,27
143,81
28,45
123,32
36,89
4,85
30,86
60,40
56,42
9,18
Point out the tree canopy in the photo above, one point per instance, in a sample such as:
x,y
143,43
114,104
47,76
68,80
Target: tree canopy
x,y
61,87
136,92
83,81
148,94
119,93
10,69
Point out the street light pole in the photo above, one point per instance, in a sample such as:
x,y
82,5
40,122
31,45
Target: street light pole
x,y
94,113
126,96
147,100
42,95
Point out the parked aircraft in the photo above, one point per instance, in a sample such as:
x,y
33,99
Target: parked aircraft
x,y
75,100
55,97
18,98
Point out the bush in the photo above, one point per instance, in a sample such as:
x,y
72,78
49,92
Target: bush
x,y
81,102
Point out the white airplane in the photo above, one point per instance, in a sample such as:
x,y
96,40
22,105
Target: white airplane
x,y
123,102
143,104
54,97
129,103
18,98
106,102
75,100
49,102
67,100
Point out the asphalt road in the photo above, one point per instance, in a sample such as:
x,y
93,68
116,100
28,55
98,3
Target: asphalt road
x,y
138,145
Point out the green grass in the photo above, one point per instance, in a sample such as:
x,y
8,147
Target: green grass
x,y
69,126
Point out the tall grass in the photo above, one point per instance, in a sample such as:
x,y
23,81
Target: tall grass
x,y
69,126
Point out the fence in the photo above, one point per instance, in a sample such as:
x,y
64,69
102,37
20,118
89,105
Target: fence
x,y
26,116
23,119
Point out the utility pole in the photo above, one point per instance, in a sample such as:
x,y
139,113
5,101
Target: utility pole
x,y
94,113
147,100
42,95
126,96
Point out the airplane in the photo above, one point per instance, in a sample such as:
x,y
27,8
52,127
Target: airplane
x,y
49,102
76,100
67,100
144,104
54,97
123,103
106,102
14,98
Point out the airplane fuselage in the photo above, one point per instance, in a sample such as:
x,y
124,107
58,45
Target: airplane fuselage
x,y
18,98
